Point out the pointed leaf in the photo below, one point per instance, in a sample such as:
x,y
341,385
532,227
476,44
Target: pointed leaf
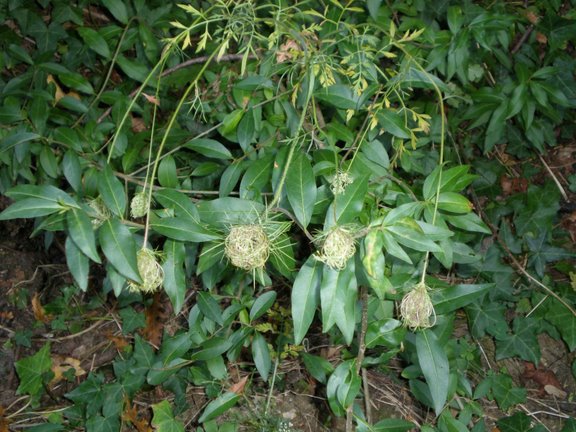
x,y
77,263
209,148
119,247
219,406
82,233
301,189
305,297
182,229
174,274
180,203
261,355
434,364
112,192
31,370
262,304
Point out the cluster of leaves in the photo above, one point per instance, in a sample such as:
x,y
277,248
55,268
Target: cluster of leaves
x,y
305,120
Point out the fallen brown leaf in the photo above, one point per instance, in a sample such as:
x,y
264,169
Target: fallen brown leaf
x,y
238,387
152,99
546,380
38,309
155,318
61,365
4,422
130,414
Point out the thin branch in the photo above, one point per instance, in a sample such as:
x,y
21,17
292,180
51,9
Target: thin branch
x,y
560,187
523,39
169,71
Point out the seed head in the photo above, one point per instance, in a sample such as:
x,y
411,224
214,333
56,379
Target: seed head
x,y
100,212
340,182
247,246
139,205
338,247
150,271
417,309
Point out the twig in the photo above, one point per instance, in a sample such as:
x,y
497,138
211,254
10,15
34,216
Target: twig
x,y
521,41
80,333
560,187
360,356
169,71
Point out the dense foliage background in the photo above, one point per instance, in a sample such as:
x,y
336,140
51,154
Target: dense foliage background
x,y
243,184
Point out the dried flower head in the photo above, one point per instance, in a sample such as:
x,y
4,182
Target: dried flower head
x,y
99,213
416,308
139,205
247,246
337,248
340,182
150,271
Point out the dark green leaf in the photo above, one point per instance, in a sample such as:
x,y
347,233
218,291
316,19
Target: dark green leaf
x,y
182,229
393,425
301,188
174,275
131,320
339,96
119,247
112,192
256,177
518,422
209,307
305,293
31,370
348,205
163,419
209,148
94,41
219,406
262,304
523,342
224,212
77,263
261,355
455,297
318,366
82,233
72,170
31,208
180,203
118,10
167,174
434,364
17,139
230,178
394,123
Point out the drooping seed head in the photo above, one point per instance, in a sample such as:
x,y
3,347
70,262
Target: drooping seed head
x,y
416,308
100,212
150,271
340,182
247,246
338,247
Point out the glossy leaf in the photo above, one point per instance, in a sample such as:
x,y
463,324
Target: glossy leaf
x,y
262,304
77,263
301,188
163,419
112,192
81,231
209,307
209,148
261,355
180,203
119,247
455,297
174,275
393,425
182,229
230,178
31,371
348,205
223,212
305,293
30,208
219,406
434,364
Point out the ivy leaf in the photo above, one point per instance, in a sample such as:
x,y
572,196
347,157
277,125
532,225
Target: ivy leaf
x,y
99,423
563,320
434,364
163,419
131,320
301,188
504,392
305,293
518,422
31,370
487,317
522,342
